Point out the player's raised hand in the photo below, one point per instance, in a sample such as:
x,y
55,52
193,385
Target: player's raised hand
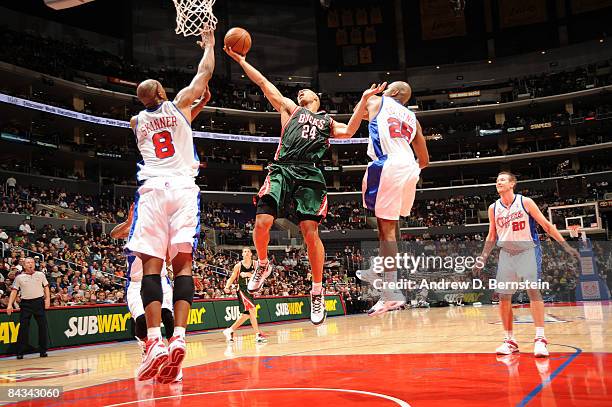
x,y
208,39
374,90
205,98
234,55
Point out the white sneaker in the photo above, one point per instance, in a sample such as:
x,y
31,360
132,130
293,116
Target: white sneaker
x,y
507,348
317,308
259,338
176,354
540,349
383,306
368,275
259,277
229,334
156,355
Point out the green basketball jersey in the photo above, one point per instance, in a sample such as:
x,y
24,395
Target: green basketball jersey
x,y
305,137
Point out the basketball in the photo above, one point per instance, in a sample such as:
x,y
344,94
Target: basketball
x,y
239,40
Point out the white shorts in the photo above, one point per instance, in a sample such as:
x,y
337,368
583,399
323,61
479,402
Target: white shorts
x,y
389,187
525,266
166,217
134,300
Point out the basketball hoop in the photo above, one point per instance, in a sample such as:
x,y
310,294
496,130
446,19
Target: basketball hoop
x,y
574,230
193,17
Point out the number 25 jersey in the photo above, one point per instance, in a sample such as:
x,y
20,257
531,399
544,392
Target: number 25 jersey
x,y
392,131
165,140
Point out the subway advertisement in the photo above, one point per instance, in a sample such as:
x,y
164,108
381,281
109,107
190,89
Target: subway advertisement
x,y
70,326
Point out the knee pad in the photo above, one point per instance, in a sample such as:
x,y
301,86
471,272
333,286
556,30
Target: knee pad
x,y
151,289
141,328
183,289
168,320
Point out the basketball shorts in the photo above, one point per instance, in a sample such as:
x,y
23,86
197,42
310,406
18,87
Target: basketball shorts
x,y
389,186
134,300
522,266
301,186
245,302
166,217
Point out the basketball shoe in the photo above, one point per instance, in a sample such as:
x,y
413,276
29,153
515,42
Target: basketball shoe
x,y
155,356
507,348
317,308
259,338
229,334
259,277
177,350
383,306
540,349
369,275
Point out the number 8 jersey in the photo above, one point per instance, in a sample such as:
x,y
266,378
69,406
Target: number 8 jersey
x,y
516,229
165,141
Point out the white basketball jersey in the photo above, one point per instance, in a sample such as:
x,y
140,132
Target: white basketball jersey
x,y
392,131
516,229
165,141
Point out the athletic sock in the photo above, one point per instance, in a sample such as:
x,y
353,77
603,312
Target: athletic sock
x,y
154,333
179,331
540,332
317,288
509,336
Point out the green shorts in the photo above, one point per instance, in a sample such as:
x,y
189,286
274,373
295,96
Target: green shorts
x,y
301,186
246,301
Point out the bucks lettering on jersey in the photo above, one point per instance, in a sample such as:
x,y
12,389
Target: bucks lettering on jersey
x,y
305,137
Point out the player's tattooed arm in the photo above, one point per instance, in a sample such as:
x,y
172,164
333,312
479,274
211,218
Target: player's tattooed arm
x,y
283,105
185,98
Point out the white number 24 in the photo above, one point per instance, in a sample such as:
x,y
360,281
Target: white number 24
x,y
309,131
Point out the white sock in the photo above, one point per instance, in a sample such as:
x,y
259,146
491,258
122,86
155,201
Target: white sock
x,y
154,333
317,288
540,332
509,335
179,331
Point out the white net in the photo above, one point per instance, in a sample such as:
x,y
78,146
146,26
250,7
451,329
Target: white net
x,y
193,17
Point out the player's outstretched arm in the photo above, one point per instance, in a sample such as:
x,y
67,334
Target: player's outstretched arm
x,y
185,98
420,147
341,130
283,105
549,228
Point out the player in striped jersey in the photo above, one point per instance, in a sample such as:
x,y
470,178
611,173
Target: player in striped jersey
x,y
512,227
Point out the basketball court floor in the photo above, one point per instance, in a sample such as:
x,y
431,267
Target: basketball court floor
x,y
423,357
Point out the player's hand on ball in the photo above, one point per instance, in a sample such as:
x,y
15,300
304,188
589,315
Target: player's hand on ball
x,y
208,39
234,55
374,90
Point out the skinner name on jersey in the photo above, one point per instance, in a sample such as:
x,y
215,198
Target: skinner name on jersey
x,y
156,124
314,121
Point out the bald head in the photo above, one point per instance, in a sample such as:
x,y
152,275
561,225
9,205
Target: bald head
x,y
399,91
151,93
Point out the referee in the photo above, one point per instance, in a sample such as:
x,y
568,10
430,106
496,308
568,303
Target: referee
x,y
35,297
